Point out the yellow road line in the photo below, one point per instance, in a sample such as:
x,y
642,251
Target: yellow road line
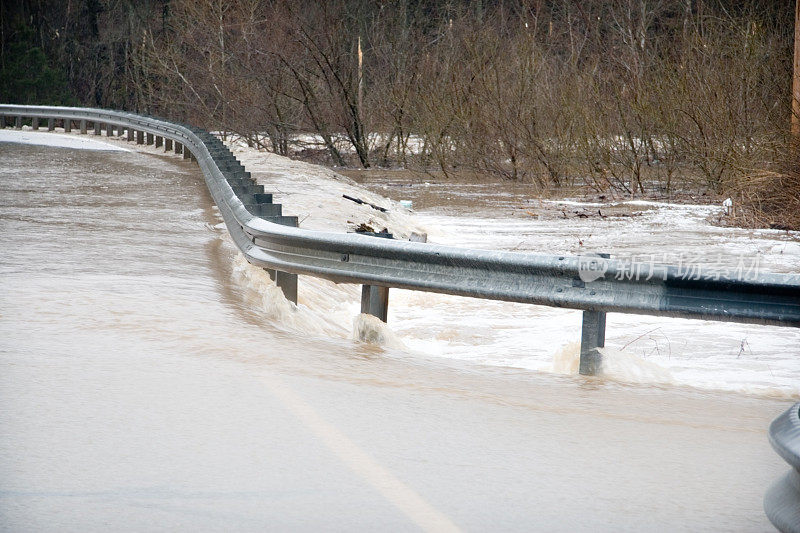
x,y
395,491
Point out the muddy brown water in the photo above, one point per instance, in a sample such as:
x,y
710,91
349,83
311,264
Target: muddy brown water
x,y
141,390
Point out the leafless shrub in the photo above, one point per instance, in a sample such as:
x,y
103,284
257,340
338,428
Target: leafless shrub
x,y
636,97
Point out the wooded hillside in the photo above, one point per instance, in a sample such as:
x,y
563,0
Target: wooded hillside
x,y
631,96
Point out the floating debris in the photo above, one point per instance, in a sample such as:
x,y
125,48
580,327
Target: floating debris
x,y
360,201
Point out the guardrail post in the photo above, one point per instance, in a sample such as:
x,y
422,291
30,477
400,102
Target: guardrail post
x,y
178,148
35,123
593,336
288,284
109,130
149,138
51,124
159,141
139,137
167,145
67,125
130,134
83,126
187,154
375,301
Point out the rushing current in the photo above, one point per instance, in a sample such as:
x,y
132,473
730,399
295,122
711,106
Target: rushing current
x,y
710,355
149,380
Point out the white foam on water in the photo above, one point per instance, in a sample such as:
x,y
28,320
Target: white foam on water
x,y
567,360
616,364
323,312
630,368
57,140
322,318
529,337
640,349
687,207
574,203
370,329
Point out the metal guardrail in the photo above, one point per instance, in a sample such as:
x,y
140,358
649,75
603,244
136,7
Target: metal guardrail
x,y
596,285
782,500
267,239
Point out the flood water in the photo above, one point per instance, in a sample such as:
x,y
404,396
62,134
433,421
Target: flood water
x,y
146,384
709,355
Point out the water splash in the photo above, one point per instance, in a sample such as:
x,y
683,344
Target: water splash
x,y
567,359
499,333
367,328
617,365
323,313
630,368
283,313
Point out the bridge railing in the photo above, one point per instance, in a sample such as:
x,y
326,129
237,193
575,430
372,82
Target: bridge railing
x,y
596,285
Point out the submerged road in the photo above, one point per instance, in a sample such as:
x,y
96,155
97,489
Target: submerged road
x,y
141,389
